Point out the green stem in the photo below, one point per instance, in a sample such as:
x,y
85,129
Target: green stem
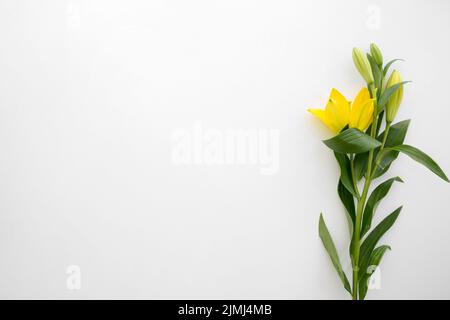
x,y
380,152
361,203
357,242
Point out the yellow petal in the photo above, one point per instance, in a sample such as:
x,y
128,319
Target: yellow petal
x,y
337,110
338,97
366,115
361,110
362,96
321,114
361,115
342,104
332,115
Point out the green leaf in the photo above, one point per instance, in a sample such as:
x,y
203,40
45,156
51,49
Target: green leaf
x,y
360,164
386,68
376,72
348,201
396,136
377,195
346,174
372,239
352,141
387,94
422,158
331,249
380,120
374,262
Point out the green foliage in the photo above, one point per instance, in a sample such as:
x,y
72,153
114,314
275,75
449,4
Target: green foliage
x,y
377,195
372,239
384,98
388,65
346,175
352,141
422,158
396,136
376,72
374,262
332,252
347,200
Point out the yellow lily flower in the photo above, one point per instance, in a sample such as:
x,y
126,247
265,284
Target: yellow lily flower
x,y
339,112
336,113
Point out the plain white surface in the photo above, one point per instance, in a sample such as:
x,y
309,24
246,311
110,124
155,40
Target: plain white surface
x,y
92,91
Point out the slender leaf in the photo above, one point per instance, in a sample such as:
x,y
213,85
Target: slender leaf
x,y
347,200
386,68
422,158
352,141
380,121
387,94
332,252
346,174
397,133
377,195
374,262
360,164
396,136
376,72
372,239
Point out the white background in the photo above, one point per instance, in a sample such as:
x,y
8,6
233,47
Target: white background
x,y
91,92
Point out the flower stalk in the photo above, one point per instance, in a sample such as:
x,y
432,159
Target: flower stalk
x,y
361,202
359,152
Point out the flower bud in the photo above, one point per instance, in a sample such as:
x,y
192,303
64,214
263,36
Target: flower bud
x,y
363,65
396,98
376,54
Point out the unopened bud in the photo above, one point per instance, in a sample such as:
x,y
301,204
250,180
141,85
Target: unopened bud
x,y
396,98
376,54
363,65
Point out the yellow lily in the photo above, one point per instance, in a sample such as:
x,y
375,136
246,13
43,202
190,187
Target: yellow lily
x,y
336,113
339,112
